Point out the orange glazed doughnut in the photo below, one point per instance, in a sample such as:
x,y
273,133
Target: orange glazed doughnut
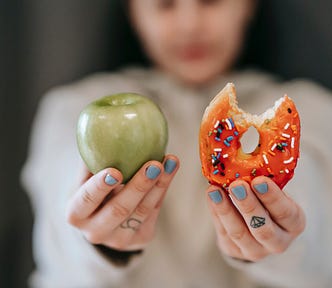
x,y
222,127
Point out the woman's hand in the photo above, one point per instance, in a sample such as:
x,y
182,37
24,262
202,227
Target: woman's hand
x,y
263,220
121,217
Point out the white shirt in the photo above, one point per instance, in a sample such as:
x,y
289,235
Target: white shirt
x,y
183,252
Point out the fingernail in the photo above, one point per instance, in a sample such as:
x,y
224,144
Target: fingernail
x,y
110,180
239,192
169,166
152,172
261,188
215,196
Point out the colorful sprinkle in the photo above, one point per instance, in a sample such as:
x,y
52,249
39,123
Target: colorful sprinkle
x,y
236,133
285,135
225,156
281,171
216,124
279,147
269,170
217,139
271,153
226,143
253,172
217,149
284,144
228,124
286,170
237,175
295,115
229,138
274,146
210,133
286,126
283,138
288,160
232,122
215,171
292,142
265,159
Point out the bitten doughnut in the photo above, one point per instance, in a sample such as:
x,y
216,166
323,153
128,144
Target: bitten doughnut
x,y
222,127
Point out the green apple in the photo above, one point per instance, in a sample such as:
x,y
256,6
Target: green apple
x,y
122,131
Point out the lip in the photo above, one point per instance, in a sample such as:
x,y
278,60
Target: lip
x,y
192,52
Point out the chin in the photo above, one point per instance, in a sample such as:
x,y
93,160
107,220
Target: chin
x,y
198,77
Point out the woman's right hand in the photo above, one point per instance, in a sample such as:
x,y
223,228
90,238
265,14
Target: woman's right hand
x,y
118,216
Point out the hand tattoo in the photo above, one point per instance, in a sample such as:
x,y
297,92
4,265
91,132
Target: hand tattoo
x,y
131,223
257,221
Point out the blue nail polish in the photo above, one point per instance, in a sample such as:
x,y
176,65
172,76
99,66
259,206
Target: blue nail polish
x,y
152,172
261,188
215,196
110,180
169,166
239,192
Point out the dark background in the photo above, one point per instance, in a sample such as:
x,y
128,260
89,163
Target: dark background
x,y
46,43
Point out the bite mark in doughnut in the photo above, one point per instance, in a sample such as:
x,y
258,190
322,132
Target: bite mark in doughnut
x,y
222,127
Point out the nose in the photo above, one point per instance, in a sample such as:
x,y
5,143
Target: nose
x,y
189,22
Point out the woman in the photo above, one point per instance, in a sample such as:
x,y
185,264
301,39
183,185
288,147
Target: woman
x,y
82,242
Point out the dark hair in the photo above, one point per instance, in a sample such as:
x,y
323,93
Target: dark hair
x,y
125,48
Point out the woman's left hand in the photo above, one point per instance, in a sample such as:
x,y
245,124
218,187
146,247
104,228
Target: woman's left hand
x,y
263,219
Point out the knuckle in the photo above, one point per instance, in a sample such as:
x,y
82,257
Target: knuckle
x,y
299,222
272,200
140,187
93,237
255,257
284,213
118,245
249,207
142,210
163,184
279,249
226,249
265,233
222,232
223,210
70,218
119,211
237,234
87,197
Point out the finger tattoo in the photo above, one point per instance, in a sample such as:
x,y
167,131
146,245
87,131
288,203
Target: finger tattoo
x,y
257,221
131,223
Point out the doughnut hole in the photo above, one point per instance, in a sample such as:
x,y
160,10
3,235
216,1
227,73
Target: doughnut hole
x,y
250,142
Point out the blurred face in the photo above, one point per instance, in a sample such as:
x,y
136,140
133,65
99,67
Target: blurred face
x,y
193,40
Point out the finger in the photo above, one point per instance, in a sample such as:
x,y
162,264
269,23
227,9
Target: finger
x,y
84,174
122,205
283,209
91,194
134,241
153,197
260,224
232,228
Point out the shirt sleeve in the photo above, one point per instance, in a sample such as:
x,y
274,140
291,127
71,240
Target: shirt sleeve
x,y
64,258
